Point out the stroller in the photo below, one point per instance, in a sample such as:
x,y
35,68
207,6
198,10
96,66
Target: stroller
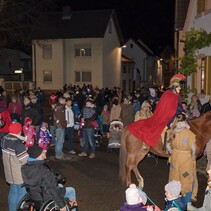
x,y
98,132
115,130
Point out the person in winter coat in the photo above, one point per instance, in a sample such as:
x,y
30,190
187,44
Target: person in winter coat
x,y
29,132
115,110
183,149
145,111
42,182
127,111
29,111
174,201
43,136
60,125
14,156
15,109
207,198
135,200
5,120
88,117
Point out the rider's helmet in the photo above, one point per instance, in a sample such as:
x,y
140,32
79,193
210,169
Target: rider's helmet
x,y
176,80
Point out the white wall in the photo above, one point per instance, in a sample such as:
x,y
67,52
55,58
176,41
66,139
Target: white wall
x,y
111,59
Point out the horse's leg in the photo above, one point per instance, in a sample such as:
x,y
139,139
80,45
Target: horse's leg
x,y
129,167
139,157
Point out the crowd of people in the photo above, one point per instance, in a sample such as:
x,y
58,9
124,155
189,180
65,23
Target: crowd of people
x,y
22,122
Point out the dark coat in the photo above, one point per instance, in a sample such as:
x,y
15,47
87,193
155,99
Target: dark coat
x,y
28,111
42,184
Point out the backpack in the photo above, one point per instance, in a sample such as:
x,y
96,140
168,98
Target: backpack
x,y
2,122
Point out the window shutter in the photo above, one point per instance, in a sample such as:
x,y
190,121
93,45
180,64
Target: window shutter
x,y
208,76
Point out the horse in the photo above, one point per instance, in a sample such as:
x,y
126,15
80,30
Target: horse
x,y
132,151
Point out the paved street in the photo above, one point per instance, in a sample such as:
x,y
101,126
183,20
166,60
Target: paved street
x,y
96,180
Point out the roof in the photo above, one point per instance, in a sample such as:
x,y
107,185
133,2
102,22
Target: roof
x,y
79,24
181,13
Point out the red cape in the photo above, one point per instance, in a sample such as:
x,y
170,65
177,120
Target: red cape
x,y
149,130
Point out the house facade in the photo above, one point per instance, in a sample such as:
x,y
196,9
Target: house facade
x,y
198,16
146,72
80,48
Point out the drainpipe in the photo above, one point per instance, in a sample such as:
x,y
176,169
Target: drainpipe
x,y
34,65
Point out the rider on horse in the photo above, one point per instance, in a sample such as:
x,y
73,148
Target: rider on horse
x,y
149,130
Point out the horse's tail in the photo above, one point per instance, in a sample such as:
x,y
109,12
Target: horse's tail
x,y
123,157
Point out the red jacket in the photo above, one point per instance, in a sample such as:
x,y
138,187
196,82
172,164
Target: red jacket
x,y
5,115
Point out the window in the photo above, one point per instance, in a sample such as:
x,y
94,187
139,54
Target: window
x,y
47,76
47,51
124,84
110,27
124,68
83,76
131,45
83,50
201,4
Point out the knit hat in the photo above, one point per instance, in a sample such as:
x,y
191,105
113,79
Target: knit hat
x,y
174,188
134,196
34,151
15,128
27,120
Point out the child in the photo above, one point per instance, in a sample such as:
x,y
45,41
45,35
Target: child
x,y
29,132
173,197
135,200
43,136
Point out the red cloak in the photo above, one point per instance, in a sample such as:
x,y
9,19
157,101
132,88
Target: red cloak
x,y
149,130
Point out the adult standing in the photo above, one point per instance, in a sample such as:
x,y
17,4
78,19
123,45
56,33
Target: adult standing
x,y
183,149
60,124
29,111
14,156
127,111
207,198
15,109
5,120
88,117
115,110
69,130
206,106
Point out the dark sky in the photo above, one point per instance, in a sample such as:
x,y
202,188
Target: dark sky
x,y
149,20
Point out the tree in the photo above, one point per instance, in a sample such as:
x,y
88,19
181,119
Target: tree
x,y
194,41
17,18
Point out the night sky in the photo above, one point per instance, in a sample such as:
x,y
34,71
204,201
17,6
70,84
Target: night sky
x,y
152,21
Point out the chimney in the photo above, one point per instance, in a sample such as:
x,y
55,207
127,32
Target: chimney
x,y
66,13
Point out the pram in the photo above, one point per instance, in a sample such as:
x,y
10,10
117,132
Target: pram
x,y
115,130
98,132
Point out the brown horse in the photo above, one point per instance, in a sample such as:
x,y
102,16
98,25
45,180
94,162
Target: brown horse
x,y
132,150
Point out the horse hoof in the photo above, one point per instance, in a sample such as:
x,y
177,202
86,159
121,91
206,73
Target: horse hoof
x,y
141,185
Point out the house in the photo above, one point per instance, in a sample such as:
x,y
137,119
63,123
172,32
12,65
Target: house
x,y
77,47
145,68
15,70
127,72
13,60
195,14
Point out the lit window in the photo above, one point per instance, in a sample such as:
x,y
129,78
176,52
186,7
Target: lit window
x,y
47,76
83,50
47,51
